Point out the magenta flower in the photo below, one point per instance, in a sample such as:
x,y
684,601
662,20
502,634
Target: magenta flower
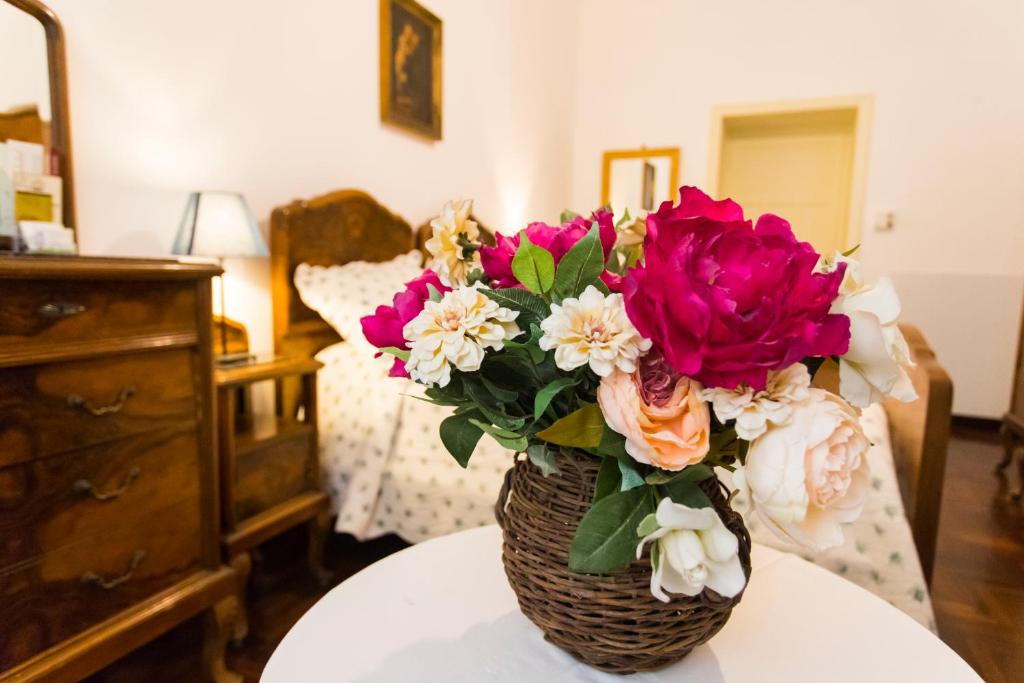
x,y
724,301
497,260
384,327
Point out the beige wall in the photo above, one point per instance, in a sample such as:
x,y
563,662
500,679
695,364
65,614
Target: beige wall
x,y
947,145
24,76
280,100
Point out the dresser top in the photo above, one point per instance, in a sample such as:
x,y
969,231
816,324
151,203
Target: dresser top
x,y
22,266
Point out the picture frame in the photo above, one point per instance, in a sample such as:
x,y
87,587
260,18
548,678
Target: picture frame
x,y
410,67
639,179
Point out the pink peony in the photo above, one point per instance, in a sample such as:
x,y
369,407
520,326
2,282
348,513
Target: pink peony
x,y
384,327
726,302
497,260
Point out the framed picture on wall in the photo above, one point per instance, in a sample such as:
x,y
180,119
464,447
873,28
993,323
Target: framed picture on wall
x,y
639,180
410,67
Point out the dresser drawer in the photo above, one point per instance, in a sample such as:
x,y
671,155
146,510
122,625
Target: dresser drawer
x,y
47,504
272,472
66,591
54,407
69,311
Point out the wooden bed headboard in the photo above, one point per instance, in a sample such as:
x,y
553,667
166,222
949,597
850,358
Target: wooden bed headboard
x,y
333,229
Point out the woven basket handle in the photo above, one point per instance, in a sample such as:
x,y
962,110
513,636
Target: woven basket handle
x,y
506,486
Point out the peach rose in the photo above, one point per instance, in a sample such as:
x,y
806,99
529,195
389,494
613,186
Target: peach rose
x,y
661,414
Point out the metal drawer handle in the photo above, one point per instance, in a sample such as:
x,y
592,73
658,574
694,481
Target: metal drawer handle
x,y
107,584
76,401
60,309
86,486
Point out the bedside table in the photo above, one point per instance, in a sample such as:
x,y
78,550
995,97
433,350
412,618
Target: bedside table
x,y
269,465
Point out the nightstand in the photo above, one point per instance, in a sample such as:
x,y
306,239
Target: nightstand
x,y
269,464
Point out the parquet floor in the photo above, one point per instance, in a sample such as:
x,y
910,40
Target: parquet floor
x,y
978,593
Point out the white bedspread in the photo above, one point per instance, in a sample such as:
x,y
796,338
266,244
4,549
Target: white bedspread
x,y
387,472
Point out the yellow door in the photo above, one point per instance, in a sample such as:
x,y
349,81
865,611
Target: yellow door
x,y
798,165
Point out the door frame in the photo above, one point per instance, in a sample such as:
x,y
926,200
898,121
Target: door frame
x,y
861,105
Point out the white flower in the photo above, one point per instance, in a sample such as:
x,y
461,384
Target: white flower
x,y
876,364
593,329
695,549
449,258
809,476
753,410
455,331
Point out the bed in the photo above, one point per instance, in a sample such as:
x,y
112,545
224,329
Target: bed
x,y
387,472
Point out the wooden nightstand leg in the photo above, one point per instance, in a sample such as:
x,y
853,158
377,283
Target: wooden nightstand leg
x,y
219,626
1009,446
242,564
317,529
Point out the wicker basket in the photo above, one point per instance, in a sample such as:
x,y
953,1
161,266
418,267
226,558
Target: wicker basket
x,y
611,622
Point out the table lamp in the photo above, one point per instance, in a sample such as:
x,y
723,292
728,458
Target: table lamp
x,y
220,225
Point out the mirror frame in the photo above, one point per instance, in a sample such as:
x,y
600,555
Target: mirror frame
x,y
60,118
643,153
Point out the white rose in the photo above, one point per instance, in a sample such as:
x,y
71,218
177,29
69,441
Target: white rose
x,y
876,364
695,549
809,476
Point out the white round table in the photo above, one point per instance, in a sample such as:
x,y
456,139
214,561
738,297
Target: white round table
x,y
442,611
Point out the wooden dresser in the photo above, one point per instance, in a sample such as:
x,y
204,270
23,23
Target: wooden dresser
x,y
108,481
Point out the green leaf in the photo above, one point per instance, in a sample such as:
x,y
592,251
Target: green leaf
x,y
580,429
606,537
567,215
580,266
608,478
533,266
851,251
395,351
648,525
460,437
543,458
434,293
531,307
612,444
503,395
686,493
626,218
630,477
693,473
543,398
492,430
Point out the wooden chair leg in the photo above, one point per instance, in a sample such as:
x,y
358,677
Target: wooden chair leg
x,y
1019,493
219,626
317,529
242,564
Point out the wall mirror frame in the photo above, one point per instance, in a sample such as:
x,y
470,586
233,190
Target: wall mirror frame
x,y
60,118
653,170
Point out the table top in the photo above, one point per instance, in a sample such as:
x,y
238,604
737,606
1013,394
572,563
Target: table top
x,y
443,611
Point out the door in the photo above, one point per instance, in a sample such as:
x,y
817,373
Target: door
x,y
797,164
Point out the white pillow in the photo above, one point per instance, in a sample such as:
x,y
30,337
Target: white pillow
x,y
344,294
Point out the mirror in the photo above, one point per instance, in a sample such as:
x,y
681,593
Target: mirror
x,y
35,149
639,180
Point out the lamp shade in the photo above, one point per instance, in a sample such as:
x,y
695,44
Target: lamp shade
x,y
218,224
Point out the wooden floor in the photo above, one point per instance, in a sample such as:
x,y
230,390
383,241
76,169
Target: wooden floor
x,y
978,592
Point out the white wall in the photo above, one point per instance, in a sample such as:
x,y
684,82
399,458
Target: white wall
x,y
280,101
24,71
947,145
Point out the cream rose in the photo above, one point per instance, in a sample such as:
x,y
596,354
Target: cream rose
x,y
665,421
876,364
694,550
811,475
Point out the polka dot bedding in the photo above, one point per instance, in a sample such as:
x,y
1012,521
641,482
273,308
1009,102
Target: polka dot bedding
x,y
386,470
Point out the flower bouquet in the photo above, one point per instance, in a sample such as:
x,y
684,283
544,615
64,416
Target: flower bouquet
x,y
629,375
